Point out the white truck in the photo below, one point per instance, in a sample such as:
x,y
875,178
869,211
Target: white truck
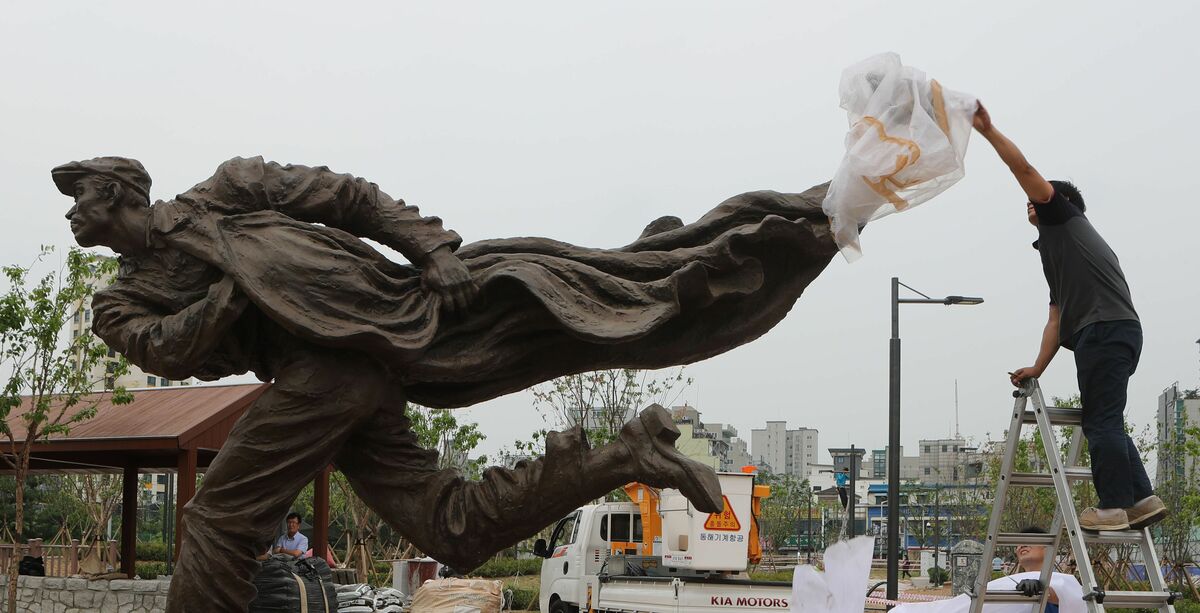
x,y
657,554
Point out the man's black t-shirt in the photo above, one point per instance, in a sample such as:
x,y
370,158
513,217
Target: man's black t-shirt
x,y
1084,275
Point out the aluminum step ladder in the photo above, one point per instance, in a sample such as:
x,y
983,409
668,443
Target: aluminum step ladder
x,y
1061,475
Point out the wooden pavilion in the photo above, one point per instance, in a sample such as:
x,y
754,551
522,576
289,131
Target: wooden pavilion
x,y
175,429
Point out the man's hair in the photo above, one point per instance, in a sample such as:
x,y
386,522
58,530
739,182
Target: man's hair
x,y
294,515
1070,192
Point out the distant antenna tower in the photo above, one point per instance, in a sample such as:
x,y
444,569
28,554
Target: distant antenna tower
x,y
956,434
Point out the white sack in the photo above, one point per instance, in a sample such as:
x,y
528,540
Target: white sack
x,y
456,595
842,588
906,143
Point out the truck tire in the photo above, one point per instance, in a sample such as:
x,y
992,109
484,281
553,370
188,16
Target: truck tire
x,y
559,606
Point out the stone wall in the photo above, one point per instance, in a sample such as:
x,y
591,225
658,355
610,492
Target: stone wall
x,y
60,595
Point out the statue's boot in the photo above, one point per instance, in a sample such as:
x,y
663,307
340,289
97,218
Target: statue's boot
x,y
462,523
650,440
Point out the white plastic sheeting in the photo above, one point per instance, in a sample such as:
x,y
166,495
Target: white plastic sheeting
x,y
908,136
1066,587
842,588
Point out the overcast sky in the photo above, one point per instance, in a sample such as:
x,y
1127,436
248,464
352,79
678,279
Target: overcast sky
x,y
583,122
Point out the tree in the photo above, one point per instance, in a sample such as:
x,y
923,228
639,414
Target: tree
x,y
602,401
780,513
54,375
439,429
1180,490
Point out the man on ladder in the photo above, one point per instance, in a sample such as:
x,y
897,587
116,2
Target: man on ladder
x,y
1092,314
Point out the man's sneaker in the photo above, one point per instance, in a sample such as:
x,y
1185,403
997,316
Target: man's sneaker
x,y
1147,511
1103,519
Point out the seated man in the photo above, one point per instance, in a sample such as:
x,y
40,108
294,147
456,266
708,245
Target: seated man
x,y
293,543
1066,594
1063,587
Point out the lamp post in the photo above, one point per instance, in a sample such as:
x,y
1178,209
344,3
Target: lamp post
x,y
808,525
893,536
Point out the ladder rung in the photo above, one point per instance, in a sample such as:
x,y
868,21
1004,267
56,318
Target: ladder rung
x,y
1074,473
1113,537
1134,599
1008,539
1059,416
1009,596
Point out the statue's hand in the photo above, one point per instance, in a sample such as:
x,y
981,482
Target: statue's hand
x,y
446,276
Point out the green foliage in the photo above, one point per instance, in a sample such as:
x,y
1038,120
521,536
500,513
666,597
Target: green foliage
x,y
938,575
55,376
523,598
508,567
777,575
439,429
150,570
152,551
782,514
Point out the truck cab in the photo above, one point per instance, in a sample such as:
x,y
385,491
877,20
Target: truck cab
x,y
580,545
658,554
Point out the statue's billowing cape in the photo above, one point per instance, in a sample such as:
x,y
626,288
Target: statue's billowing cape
x,y
545,308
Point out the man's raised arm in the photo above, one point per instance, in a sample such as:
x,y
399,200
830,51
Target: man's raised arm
x,y
1036,187
1046,350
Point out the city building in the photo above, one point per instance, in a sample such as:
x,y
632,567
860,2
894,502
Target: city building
x,y
948,461
714,444
1177,411
910,466
784,451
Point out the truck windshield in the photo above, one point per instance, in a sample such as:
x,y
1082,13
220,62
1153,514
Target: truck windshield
x,y
564,532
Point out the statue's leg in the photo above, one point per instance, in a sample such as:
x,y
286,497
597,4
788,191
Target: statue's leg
x,y
287,436
462,523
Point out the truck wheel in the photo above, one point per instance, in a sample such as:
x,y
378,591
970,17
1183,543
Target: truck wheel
x,y
559,606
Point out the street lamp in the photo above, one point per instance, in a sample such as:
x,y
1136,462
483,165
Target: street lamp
x,y
893,536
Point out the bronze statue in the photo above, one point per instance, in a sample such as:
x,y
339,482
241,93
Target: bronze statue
x,y
236,275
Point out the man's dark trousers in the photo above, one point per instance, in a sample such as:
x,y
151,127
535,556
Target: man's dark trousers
x,y
1106,354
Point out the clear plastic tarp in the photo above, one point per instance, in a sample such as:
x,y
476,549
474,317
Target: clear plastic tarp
x,y
908,136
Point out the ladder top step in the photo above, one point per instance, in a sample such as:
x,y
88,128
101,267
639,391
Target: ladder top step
x,y
1059,416
1112,537
1073,473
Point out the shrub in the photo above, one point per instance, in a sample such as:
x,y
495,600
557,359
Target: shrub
x,y
150,570
938,575
507,567
155,551
1187,605
523,598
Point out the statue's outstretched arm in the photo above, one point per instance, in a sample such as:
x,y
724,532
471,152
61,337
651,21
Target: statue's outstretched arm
x,y
355,205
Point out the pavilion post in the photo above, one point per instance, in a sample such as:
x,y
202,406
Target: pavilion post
x,y
185,489
129,499
320,543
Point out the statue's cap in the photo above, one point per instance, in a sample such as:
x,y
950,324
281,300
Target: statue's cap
x,y
128,171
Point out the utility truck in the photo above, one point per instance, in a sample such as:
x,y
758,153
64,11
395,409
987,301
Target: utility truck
x,y
658,554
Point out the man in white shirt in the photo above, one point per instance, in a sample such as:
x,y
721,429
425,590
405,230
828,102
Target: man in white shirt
x,y
293,543
1066,594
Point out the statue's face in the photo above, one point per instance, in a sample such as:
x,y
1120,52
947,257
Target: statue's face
x,y
92,216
